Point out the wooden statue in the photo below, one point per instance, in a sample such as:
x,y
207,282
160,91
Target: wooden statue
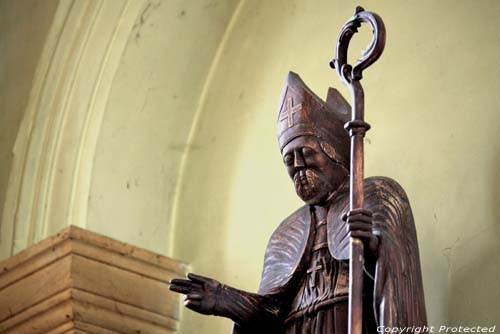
x,y
347,261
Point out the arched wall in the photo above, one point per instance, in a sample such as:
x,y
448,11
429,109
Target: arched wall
x,y
153,122
55,144
22,39
151,105
105,126
433,108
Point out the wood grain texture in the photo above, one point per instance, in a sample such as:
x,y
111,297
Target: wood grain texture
x,y
81,282
63,328
84,327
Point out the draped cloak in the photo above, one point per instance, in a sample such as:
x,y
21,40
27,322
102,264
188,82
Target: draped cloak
x,y
398,295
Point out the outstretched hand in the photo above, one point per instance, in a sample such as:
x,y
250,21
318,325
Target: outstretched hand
x,y
201,292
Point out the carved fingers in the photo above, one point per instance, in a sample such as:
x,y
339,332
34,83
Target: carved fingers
x,y
359,225
201,292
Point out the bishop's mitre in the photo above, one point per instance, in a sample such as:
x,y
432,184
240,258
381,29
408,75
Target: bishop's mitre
x,y
303,113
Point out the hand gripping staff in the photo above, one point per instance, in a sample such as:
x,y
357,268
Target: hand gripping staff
x,y
357,127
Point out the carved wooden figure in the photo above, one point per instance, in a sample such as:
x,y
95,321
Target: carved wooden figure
x,y
347,224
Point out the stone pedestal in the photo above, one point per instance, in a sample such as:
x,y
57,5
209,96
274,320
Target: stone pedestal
x,y
82,282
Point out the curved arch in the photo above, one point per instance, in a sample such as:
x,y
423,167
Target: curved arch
x,y
54,149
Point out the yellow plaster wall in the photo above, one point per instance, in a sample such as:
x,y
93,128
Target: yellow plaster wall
x,y
187,164
433,103
153,100
23,30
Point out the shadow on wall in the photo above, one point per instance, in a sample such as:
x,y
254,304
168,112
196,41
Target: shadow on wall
x,y
474,283
21,41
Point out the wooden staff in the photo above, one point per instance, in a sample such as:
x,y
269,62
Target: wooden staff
x,y
357,128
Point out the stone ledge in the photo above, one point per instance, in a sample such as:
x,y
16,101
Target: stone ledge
x,y
81,282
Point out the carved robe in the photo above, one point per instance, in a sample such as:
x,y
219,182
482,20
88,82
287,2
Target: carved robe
x,y
395,296
320,303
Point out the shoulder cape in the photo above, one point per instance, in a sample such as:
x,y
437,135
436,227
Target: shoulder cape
x,y
398,291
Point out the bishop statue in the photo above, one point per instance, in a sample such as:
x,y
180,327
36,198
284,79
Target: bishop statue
x,y
305,283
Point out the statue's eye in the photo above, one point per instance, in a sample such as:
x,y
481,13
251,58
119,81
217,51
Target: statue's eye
x,y
288,159
307,151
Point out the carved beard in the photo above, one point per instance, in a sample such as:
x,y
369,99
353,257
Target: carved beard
x,y
311,186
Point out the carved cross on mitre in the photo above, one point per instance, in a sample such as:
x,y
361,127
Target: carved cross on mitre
x,y
290,109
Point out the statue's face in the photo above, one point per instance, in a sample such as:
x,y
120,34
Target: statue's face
x,y
314,174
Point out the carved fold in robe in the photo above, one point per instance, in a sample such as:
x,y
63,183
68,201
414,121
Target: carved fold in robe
x,y
396,294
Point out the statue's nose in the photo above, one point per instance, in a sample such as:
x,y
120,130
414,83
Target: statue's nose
x,y
298,160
